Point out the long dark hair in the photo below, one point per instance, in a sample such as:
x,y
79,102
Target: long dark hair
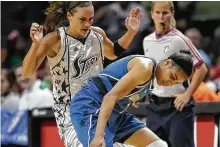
x,y
56,13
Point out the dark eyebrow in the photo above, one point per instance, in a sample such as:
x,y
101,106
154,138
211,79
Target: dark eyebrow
x,y
85,17
175,76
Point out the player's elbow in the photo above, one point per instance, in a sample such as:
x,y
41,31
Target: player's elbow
x,y
27,73
26,70
203,69
110,97
200,72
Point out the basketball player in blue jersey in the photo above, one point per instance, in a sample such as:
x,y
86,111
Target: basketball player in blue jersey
x,y
98,110
74,52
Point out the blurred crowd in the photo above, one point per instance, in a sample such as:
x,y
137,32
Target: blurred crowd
x,y
25,93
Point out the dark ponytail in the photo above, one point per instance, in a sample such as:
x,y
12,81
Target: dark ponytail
x,y
57,11
55,15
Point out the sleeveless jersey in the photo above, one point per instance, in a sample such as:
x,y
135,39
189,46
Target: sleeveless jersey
x,y
114,72
76,61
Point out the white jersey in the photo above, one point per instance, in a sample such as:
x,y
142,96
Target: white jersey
x,y
76,61
161,48
74,64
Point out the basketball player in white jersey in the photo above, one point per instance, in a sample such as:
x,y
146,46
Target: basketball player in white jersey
x,y
170,113
75,53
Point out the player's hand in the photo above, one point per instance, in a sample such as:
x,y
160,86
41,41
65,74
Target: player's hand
x,y
36,32
132,22
181,100
98,142
135,104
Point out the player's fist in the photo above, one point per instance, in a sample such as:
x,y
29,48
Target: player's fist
x,y
36,32
98,142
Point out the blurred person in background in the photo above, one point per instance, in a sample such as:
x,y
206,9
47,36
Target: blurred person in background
x,y
207,90
74,52
215,53
184,11
15,48
214,48
111,17
9,98
170,110
196,37
32,95
215,73
4,52
47,78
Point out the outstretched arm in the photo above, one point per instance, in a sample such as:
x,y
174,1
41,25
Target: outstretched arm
x,y
136,76
132,24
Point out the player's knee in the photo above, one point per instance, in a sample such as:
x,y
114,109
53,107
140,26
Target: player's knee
x,y
158,143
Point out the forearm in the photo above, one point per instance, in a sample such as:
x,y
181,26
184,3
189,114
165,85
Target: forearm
x,y
197,78
126,39
29,63
105,112
123,43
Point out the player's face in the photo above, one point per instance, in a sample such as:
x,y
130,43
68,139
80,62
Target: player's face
x,y
161,15
170,75
4,83
23,82
81,20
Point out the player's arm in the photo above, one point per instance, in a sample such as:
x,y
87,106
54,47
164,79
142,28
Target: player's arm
x,y
197,78
136,76
38,52
112,50
199,67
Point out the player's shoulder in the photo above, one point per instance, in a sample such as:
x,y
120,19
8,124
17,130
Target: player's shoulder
x,y
179,37
52,37
149,37
146,63
145,67
98,31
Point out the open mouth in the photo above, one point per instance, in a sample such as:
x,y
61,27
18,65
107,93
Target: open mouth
x,y
162,24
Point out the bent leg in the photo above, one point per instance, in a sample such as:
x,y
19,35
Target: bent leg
x,y
144,138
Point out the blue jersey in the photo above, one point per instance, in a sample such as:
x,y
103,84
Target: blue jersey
x,y
86,104
114,72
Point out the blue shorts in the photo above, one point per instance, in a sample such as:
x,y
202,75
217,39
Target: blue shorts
x,y
84,110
